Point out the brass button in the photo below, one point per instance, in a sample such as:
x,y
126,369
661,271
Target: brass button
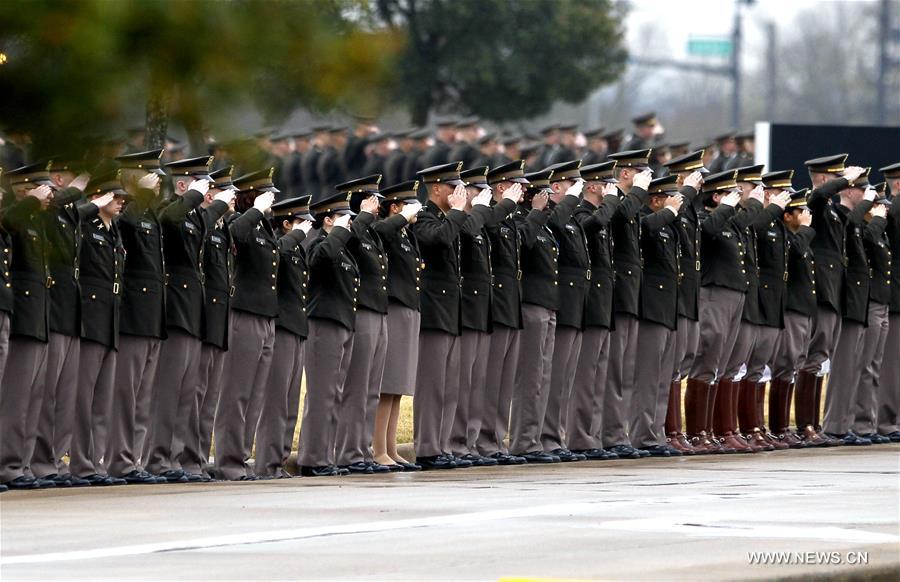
x,y
417,288
500,285
571,283
144,289
661,287
184,285
93,296
476,291
27,293
444,291
384,288
214,299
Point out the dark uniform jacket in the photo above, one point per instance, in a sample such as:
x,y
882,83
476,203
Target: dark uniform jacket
x,y
463,152
893,233
394,170
355,156
574,265
801,281
688,229
475,271
540,255
754,312
63,231
6,292
506,239
405,263
595,221
659,281
293,276
184,234
856,288
102,272
436,155
438,237
309,166
333,278
218,273
29,272
256,264
829,245
772,249
626,232
722,247
371,260
331,169
878,251
143,310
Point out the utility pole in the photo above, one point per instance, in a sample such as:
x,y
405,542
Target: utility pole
x,y
884,33
736,67
771,70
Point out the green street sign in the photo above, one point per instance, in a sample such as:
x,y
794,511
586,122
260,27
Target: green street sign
x,y
709,47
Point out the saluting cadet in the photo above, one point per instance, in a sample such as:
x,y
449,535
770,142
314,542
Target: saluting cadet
x,y
658,319
254,308
540,302
585,414
644,132
574,266
6,297
754,342
218,276
723,286
291,221
101,278
184,233
889,384
437,376
359,399
333,289
855,202
800,309
506,241
878,252
22,386
475,312
828,176
689,170
142,317
53,428
634,178
403,319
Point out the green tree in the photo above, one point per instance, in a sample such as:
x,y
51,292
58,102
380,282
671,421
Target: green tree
x,y
503,59
78,69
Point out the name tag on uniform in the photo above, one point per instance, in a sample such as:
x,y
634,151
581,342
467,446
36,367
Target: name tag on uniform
x,y
217,239
881,244
98,237
146,225
505,231
664,234
727,234
570,228
857,231
32,232
543,239
684,220
260,241
346,266
366,246
478,239
190,226
62,220
834,215
406,247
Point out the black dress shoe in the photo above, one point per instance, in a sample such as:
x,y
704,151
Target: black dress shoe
x,y
893,436
174,476
850,439
479,461
540,457
379,468
322,471
3,488
504,459
74,481
45,483
58,480
159,480
358,468
625,452
192,478
673,452
247,478
409,467
656,451
435,462
567,456
876,438
340,471
23,482
460,462
139,478
594,454
394,467
97,480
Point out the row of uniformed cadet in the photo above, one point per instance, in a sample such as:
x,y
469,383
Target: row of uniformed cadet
x,y
560,310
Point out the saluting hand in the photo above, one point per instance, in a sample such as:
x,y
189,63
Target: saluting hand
x,y
781,199
609,190
694,180
305,226
410,211
343,221
540,200
201,186
43,193
483,198
575,189
731,199
150,181
80,181
851,173
226,196
805,217
870,194
457,200
513,193
102,201
643,179
674,203
758,194
264,201
879,210
369,205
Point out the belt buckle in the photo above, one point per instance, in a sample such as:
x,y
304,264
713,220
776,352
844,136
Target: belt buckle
x,y
697,265
49,282
77,273
785,276
115,288
231,291
587,274
519,275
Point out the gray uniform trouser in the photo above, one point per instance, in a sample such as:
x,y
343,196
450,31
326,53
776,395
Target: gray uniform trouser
x,y
499,381
826,331
21,391
585,415
356,419
865,409
742,350
793,343
328,352
54,425
174,389
720,318
620,380
473,360
437,391
755,348
843,381
275,435
532,383
566,348
93,407
687,340
246,373
188,453
135,371
212,367
652,379
888,416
